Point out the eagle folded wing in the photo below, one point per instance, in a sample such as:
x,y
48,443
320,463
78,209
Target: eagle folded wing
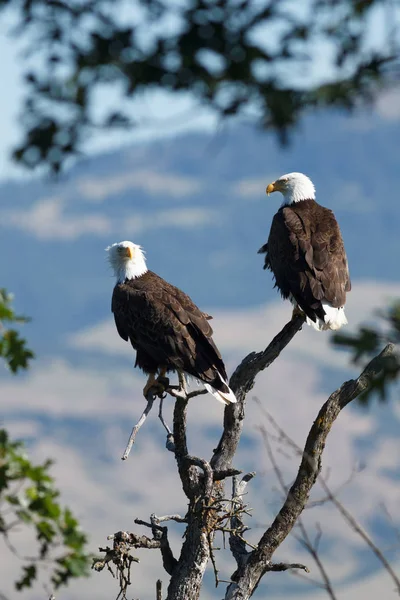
x,y
320,263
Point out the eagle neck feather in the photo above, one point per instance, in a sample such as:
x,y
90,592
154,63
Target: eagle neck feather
x,y
294,199
131,270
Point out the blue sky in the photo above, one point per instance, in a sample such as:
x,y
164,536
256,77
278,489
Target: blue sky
x,y
10,75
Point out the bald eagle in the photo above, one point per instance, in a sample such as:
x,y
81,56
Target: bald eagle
x,y
305,252
167,330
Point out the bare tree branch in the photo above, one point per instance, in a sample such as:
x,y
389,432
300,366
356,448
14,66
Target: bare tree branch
x,y
312,548
150,401
188,474
160,534
248,575
286,566
159,589
241,383
304,539
176,518
220,475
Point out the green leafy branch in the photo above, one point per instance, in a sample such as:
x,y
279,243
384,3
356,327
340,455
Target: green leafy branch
x,y
13,347
28,497
366,342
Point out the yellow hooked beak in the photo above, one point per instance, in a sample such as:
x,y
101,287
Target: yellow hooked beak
x,y
275,186
127,252
270,188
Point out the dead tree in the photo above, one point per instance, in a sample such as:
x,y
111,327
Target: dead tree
x,y
211,508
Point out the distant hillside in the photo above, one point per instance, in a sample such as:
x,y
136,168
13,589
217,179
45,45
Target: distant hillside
x,y
197,204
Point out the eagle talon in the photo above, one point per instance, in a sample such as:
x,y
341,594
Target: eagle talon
x,y
158,387
163,381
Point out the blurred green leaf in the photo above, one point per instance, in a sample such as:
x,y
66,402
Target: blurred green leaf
x,y
13,347
27,579
32,501
28,496
367,341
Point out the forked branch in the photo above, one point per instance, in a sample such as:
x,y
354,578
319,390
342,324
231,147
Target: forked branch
x,y
248,575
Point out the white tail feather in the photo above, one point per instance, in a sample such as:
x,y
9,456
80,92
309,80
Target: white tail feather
x,y
224,397
334,318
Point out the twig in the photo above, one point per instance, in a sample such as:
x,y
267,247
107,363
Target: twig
x,y
212,558
386,512
146,524
298,451
159,589
121,557
160,416
134,540
160,534
305,540
220,475
150,401
179,393
360,531
176,518
312,548
286,566
291,443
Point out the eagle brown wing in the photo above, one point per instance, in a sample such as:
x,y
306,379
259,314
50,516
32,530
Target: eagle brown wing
x,y
306,254
166,328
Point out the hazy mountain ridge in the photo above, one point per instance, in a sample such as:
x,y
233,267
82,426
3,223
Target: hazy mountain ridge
x,y
197,204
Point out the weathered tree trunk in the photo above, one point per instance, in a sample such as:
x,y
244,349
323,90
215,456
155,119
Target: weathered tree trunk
x,y
187,578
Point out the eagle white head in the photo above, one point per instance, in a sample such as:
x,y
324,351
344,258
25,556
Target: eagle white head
x,y
127,260
294,187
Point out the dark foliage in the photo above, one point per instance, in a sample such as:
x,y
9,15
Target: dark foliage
x,y
365,343
13,347
237,57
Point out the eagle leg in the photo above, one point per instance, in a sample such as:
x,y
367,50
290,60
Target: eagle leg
x,y
149,384
163,380
157,386
297,312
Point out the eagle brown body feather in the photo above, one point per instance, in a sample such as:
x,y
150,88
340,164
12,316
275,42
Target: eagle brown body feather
x,y
167,329
306,254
